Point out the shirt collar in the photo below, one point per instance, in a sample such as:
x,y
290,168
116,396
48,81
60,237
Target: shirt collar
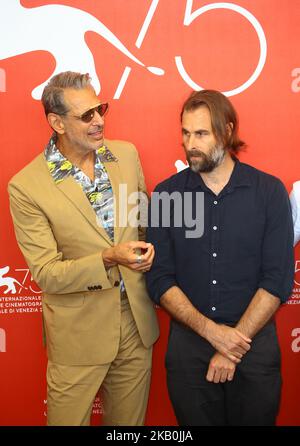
x,y
239,178
60,167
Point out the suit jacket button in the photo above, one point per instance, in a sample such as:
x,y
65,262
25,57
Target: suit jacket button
x,y
117,283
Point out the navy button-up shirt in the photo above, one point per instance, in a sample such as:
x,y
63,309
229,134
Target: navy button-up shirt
x,y
246,243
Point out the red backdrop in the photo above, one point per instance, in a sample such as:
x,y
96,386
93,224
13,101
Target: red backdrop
x,y
248,49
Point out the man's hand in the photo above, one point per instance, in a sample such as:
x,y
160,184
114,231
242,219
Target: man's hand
x,y
228,341
128,254
220,369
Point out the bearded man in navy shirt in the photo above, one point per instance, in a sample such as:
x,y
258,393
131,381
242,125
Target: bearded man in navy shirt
x,y
222,281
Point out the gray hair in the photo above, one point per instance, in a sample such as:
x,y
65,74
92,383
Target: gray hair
x,y
53,94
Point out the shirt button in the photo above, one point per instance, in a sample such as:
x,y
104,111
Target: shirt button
x,y
215,228
214,282
213,308
215,202
214,254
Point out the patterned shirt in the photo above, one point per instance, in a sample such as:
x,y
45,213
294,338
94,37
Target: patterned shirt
x,y
99,192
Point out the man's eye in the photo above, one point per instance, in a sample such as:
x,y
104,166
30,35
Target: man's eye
x,y
86,115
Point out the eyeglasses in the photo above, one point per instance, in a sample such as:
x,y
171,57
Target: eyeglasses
x,y
88,115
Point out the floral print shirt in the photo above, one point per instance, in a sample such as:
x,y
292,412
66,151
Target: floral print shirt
x,y
99,192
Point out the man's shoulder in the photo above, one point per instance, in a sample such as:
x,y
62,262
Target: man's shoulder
x,y
175,182
254,172
32,172
119,147
263,180
296,191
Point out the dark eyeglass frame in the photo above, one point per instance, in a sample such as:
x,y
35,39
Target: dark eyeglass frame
x,y
89,114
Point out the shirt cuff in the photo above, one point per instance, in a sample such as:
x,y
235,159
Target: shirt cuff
x,y
161,286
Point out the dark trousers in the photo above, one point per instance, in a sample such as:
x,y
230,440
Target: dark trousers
x,y
251,399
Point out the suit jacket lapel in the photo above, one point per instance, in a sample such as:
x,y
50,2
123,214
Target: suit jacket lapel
x,y
115,177
73,192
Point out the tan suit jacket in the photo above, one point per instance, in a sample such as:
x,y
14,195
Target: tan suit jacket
x,y
62,242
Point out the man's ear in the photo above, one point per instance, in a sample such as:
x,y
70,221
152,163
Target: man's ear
x,y
229,128
56,123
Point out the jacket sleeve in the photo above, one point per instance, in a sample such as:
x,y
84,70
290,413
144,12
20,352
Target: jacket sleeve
x,y
49,269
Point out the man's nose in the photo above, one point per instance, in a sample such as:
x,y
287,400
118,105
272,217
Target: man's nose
x,y
97,119
191,143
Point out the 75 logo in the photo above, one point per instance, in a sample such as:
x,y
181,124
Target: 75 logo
x,y
71,26
14,286
189,17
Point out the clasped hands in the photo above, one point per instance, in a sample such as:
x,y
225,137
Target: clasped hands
x,y
231,346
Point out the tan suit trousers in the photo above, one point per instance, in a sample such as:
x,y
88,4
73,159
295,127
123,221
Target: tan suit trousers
x,y
124,383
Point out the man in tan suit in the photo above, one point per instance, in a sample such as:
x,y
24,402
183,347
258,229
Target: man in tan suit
x,y
68,209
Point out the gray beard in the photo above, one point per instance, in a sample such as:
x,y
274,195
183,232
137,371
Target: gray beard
x,y
207,163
